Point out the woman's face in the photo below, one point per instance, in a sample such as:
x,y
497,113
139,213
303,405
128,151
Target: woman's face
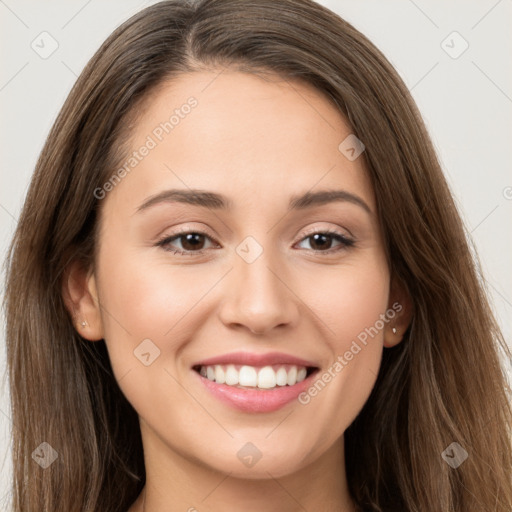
x,y
255,288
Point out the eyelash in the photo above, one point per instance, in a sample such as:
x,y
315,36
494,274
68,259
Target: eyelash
x,y
345,242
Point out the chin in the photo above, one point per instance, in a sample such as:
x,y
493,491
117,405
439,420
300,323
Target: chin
x,y
251,462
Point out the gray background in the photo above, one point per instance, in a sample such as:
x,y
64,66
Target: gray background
x,y
464,96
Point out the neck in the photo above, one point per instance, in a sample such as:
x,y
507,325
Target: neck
x,y
190,486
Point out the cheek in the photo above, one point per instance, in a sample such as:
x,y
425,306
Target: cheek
x,y
351,309
141,302
347,299
148,312
147,296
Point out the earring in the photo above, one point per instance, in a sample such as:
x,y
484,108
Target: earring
x,y
83,323
394,330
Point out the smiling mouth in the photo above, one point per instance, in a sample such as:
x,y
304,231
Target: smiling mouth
x,y
255,377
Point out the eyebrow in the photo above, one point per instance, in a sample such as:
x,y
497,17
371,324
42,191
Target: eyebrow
x,y
215,201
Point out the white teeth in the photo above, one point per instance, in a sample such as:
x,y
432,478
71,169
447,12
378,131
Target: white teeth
x,y
292,376
249,376
267,378
220,376
231,376
281,377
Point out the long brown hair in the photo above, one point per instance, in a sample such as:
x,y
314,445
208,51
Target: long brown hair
x,y
442,384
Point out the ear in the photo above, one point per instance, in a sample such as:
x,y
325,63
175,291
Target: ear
x,y
81,299
400,303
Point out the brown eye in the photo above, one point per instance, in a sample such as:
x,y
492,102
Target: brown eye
x,y
322,241
192,242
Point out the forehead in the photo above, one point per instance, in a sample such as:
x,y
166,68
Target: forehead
x,y
247,135
245,107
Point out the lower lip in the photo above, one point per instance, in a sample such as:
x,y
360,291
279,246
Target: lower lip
x,y
256,400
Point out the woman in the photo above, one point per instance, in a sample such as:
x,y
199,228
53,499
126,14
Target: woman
x,y
239,281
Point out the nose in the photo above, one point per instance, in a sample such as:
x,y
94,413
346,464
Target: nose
x,y
258,297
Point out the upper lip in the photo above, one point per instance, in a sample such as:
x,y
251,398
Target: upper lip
x,y
252,359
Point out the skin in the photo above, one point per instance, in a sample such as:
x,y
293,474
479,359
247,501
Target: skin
x,y
257,141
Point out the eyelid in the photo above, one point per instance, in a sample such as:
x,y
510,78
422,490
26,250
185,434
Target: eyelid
x,y
188,229
336,231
